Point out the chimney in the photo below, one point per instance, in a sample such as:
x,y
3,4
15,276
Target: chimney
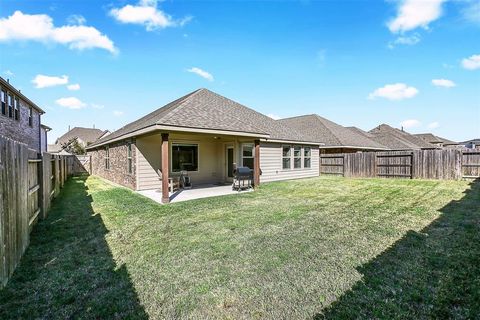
x,y
8,80
402,128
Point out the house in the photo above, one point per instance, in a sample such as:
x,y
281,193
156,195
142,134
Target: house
x,y
336,138
20,118
438,141
83,136
206,135
471,144
396,139
44,137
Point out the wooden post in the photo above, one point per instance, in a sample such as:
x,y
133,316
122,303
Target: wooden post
x,y
256,164
165,189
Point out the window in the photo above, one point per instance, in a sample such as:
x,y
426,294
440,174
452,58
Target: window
x,y
184,157
297,157
30,117
10,106
287,157
107,158
129,158
16,107
4,102
307,157
247,155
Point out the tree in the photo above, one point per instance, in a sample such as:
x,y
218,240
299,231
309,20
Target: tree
x,y
73,146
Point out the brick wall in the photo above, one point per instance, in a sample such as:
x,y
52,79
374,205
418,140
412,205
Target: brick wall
x,y
20,130
118,171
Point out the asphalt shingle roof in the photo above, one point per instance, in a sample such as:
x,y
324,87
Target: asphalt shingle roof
x,y
330,133
431,138
87,135
397,139
204,109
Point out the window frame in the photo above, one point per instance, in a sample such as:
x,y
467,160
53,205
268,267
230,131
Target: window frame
x,y
294,158
252,145
10,100
16,108
129,158
107,158
30,116
3,101
173,144
289,157
305,157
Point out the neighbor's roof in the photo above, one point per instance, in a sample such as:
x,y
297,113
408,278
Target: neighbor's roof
x,y
87,135
431,138
397,139
330,133
11,88
204,109
476,141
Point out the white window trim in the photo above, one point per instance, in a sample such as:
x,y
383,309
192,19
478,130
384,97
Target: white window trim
x,y
293,157
107,158
129,158
253,152
184,144
283,157
304,157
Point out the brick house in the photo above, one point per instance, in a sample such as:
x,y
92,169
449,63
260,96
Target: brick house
x,y
20,118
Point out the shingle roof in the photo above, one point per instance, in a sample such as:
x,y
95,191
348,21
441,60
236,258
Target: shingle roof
x,y
87,135
204,109
397,139
330,133
431,138
476,141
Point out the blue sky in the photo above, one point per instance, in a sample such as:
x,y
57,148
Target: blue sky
x,y
361,63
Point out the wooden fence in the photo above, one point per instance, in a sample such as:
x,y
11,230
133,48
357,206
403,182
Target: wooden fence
x,y
419,164
28,183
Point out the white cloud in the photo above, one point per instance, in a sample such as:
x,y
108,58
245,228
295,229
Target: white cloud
x,y
412,14
40,28
97,106
397,91
202,73
8,73
443,83
73,87
471,12
146,13
433,125
118,113
43,81
472,62
410,123
405,40
71,103
274,116
76,19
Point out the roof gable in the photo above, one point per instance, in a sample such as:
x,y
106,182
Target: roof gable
x,y
398,139
87,135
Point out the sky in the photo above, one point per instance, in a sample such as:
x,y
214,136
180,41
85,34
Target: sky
x,y
359,63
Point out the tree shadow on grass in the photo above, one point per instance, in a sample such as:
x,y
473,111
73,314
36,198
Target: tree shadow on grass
x,y
68,270
434,273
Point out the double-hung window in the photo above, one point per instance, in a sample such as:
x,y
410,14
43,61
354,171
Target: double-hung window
x,y
297,157
184,157
4,102
30,117
107,158
286,157
307,157
129,158
247,155
10,106
16,107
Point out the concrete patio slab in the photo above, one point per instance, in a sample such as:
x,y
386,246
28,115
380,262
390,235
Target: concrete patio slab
x,y
197,192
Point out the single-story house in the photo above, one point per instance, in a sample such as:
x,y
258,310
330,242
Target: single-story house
x,y
396,139
83,136
438,141
206,135
472,144
336,138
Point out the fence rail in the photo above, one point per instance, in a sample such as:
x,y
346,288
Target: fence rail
x,y
418,164
29,181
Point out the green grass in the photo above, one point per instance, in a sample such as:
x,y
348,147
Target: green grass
x,y
314,248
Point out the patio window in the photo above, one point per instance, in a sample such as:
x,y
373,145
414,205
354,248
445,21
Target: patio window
x,y
297,157
16,107
4,102
184,157
247,155
129,158
286,157
107,158
307,157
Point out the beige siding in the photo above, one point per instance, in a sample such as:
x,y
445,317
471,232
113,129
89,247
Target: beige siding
x,y
271,164
148,162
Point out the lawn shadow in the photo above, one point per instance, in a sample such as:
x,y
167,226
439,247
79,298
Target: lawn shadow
x,y
68,270
434,273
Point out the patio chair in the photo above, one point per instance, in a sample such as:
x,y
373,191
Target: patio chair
x,y
185,181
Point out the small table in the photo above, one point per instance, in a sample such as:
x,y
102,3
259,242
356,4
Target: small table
x,y
174,184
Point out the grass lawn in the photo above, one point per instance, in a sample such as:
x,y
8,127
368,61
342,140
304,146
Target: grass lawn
x,y
314,248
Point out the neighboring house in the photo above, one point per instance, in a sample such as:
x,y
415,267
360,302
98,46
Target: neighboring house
x,y
438,141
44,137
471,144
206,135
396,139
336,138
84,137
19,117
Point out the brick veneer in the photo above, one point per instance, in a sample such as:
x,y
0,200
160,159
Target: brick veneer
x,y
118,171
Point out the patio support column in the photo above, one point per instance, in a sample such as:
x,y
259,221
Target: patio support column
x,y
165,149
256,164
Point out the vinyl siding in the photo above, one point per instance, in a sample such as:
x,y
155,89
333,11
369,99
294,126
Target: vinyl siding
x,y
148,162
271,164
